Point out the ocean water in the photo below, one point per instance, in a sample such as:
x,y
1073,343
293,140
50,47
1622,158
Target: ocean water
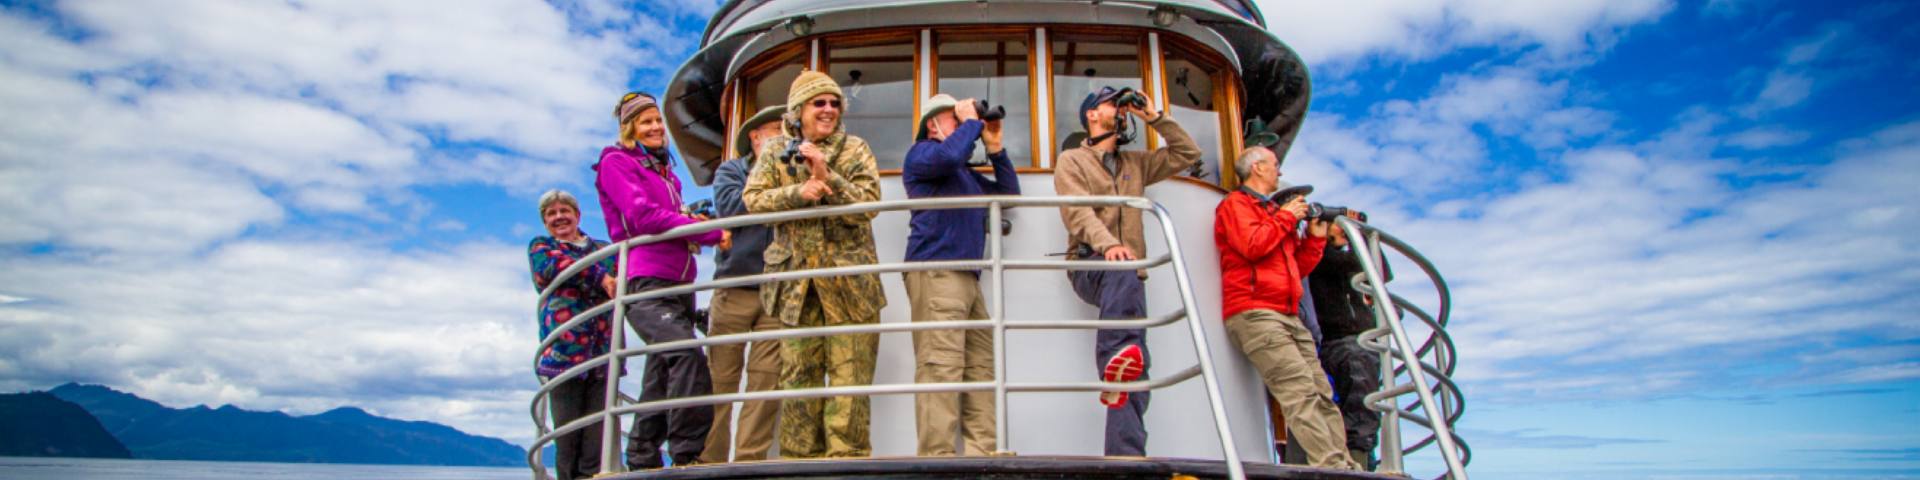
x,y
24,468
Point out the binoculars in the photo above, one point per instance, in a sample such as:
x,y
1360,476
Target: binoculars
x,y
989,113
1129,98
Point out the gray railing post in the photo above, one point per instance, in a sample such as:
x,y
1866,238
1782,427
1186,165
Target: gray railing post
x,y
1229,451
1385,311
610,425
1003,437
1392,459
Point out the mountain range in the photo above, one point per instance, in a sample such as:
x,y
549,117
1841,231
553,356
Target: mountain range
x,y
149,430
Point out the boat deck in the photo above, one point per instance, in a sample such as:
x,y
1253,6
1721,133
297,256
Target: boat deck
x,y
1007,467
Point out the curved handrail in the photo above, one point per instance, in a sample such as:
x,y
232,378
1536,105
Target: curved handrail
x,y
1387,315
998,322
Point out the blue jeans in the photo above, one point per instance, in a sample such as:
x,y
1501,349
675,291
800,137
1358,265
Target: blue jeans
x,y
1121,295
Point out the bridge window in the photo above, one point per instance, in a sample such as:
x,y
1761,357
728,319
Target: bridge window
x,y
991,67
1081,65
1194,99
878,76
768,83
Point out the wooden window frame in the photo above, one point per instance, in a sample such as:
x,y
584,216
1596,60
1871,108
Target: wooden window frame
x,y
995,33
815,54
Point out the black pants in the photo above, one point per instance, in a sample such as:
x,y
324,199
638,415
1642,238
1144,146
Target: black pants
x,y
1121,295
1353,372
675,374
579,450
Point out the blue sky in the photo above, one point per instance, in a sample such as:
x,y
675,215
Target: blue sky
x,y
1680,234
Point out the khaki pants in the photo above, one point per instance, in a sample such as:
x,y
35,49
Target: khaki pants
x,y
1281,349
945,356
732,311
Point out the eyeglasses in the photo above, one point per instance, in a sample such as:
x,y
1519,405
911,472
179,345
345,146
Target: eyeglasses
x,y
824,103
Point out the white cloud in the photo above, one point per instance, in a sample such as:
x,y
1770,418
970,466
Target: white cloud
x,y
1793,80
1639,257
155,156
167,127
1337,32
1761,138
1424,145
273,325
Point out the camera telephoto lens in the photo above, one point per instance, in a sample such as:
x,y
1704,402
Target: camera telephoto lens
x,y
1321,211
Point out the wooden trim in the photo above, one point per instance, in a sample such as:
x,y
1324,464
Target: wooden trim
x,y
919,87
815,52
895,172
1226,96
773,59
1041,70
1149,58
1033,108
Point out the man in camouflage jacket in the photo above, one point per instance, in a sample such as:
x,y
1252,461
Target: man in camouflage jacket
x,y
832,168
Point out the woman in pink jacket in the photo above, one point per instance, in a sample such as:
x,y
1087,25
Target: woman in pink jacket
x,y
640,196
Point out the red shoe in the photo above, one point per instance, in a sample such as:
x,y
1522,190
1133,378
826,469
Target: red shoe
x,y
1123,367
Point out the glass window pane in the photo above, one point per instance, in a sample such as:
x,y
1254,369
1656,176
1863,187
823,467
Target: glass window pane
x,y
994,70
770,88
1191,102
1082,66
878,80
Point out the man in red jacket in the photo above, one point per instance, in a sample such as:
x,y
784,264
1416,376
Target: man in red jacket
x,y
1263,258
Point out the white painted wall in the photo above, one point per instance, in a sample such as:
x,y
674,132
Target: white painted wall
x,y
1179,421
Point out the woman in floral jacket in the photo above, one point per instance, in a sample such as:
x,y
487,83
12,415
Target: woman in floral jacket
x,y
547,256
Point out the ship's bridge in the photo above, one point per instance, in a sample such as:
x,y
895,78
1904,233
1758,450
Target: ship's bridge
x,y
1211,64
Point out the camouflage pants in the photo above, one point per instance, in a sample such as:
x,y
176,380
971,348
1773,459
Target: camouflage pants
x,y
833,426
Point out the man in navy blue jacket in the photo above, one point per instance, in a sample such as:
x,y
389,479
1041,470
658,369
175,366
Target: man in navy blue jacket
x,y
938,166
737,310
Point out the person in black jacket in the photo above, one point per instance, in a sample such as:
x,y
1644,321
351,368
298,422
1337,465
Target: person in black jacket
x,y
1343,314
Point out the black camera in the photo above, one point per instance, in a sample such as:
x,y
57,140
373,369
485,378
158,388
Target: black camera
x,y
703,208
989,113
1323,212
701,319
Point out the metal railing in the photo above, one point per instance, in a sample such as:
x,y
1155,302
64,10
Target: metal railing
x,y
995,262
1398,357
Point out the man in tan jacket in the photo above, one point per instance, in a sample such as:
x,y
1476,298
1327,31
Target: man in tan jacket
x,y
1098,167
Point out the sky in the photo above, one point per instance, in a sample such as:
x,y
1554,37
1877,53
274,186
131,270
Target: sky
x,y
1680,235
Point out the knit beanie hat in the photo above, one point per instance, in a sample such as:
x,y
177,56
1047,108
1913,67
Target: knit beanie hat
x,y
631,105
809,84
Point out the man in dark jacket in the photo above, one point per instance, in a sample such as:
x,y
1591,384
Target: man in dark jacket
x,y
737,309
1343,314
937,166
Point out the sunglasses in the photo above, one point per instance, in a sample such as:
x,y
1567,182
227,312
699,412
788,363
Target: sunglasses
x,y
824,103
